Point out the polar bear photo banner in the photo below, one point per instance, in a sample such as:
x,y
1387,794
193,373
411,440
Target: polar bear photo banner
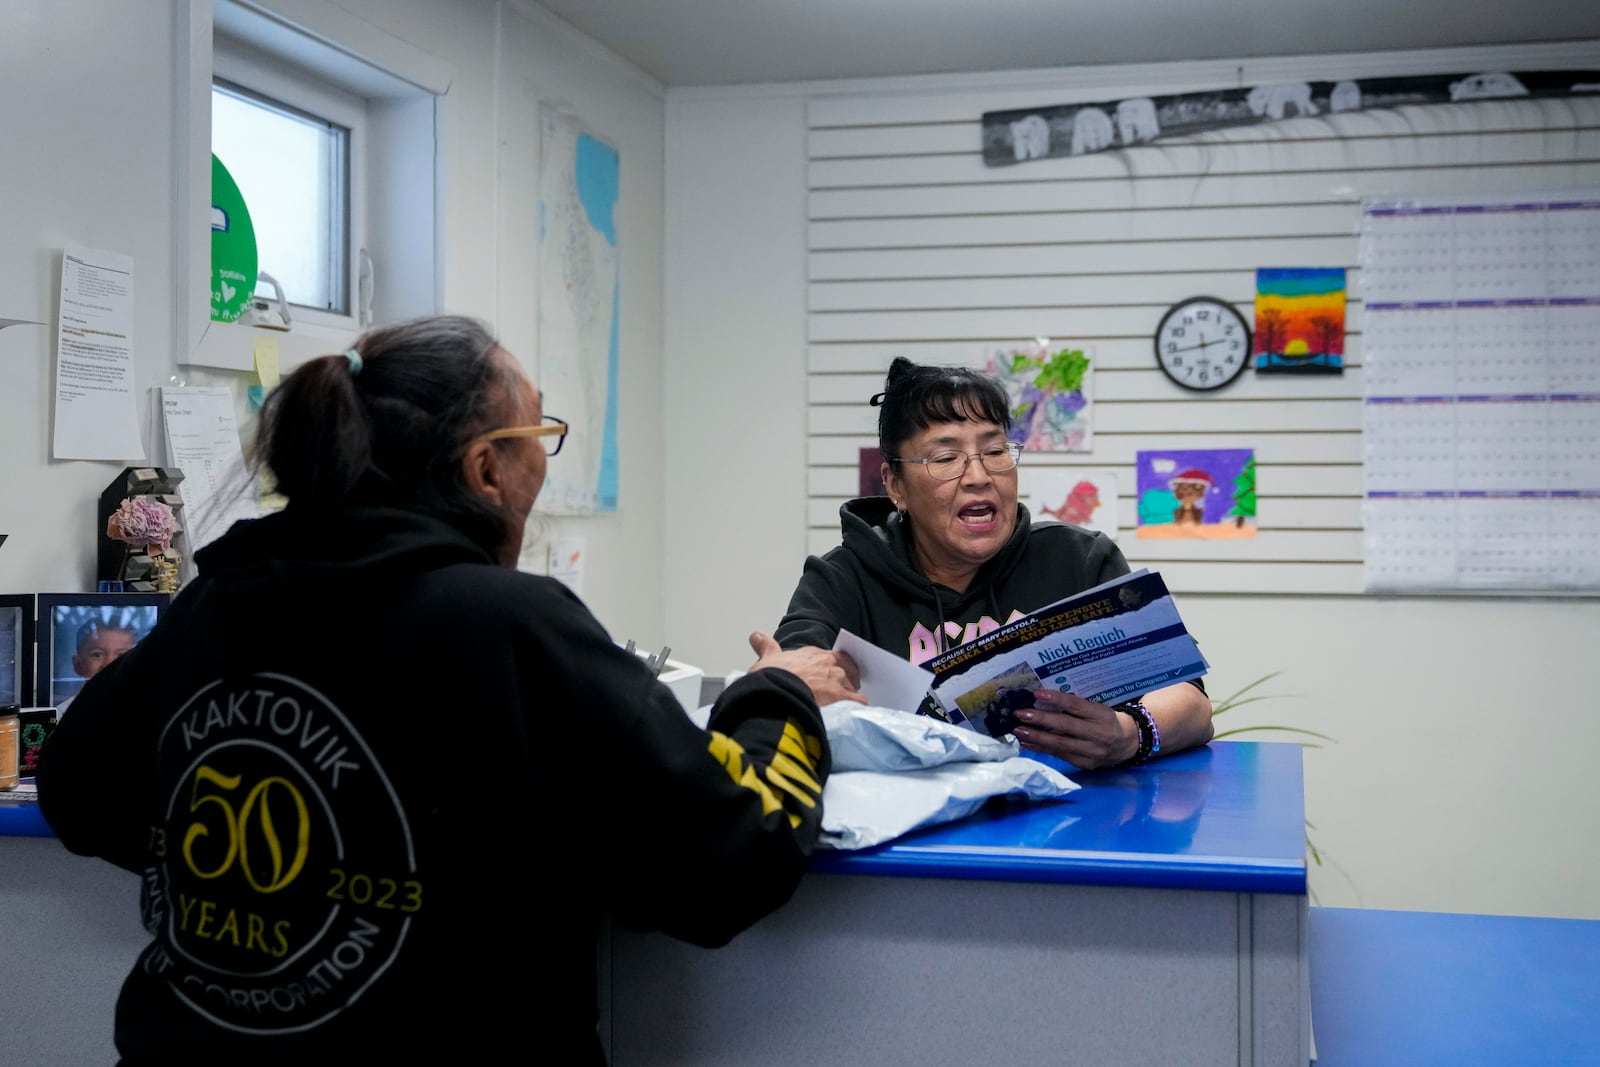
x,y
1025,134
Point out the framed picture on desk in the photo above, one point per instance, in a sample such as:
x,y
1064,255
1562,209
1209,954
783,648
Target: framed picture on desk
x,y
16,649
80,634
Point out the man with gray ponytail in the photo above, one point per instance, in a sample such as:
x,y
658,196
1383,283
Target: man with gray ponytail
x,y
380,787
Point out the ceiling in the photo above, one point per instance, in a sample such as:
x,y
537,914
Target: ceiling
x,y
727,42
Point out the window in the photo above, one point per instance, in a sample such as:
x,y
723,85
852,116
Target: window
x,y
293,145
343,99
293,170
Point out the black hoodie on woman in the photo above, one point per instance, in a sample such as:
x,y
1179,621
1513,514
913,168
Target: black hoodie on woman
x,y
870,584
379,792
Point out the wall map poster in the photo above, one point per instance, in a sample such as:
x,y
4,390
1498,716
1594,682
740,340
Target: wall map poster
x,y
1208,493
579,304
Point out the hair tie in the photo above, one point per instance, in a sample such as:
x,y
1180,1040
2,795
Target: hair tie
x,y
355,360
877,400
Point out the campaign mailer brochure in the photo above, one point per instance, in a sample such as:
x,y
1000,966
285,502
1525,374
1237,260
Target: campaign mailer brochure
x,y
1107,644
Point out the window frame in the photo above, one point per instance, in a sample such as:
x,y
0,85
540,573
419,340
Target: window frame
x,y
249,72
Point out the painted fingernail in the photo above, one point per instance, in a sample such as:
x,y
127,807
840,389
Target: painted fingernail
x,y
1025,714
1023,733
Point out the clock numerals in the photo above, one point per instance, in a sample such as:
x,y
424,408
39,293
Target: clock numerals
x,y
1202,343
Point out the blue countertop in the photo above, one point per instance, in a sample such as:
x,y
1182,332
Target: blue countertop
x,y
1229,817
1419,988
20,817
1226,817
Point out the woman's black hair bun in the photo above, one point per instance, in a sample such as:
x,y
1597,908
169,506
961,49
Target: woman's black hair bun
x,y
900,368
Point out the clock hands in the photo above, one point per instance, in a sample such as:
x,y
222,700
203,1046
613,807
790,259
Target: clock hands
x,y
1203,344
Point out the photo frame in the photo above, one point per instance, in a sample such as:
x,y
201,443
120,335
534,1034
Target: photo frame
x,y
16,649
79,633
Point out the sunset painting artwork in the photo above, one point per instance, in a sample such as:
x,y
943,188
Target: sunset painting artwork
x,y
1300,320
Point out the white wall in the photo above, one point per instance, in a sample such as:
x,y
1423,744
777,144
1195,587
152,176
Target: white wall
x,y
542,60
86,103
90,113
734,370
95,119
88,124
1454,782
1459,776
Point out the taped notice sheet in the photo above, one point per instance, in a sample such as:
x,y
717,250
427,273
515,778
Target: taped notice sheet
x,y
203,442
96,415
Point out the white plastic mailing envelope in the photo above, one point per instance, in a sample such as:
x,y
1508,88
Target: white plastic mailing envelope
x,y
894,772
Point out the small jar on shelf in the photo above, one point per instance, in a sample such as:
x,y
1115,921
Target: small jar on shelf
x,y
10,747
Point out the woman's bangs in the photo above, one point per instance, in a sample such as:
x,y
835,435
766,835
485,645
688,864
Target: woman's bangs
x,y
967,403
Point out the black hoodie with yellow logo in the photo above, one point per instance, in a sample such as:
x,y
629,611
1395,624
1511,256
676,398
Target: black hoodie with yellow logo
x,y
380,791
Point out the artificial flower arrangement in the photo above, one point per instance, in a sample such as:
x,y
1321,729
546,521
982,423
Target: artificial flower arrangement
x,y
147,526
143,521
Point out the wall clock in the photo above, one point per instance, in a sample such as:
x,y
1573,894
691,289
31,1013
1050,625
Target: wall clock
x,y
1202,343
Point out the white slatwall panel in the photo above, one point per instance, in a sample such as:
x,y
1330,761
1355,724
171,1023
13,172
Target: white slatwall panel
x,y
916,248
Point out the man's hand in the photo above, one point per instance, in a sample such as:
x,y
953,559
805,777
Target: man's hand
x,y
831,675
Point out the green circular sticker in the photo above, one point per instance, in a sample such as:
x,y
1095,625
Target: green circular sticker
x,y
233,247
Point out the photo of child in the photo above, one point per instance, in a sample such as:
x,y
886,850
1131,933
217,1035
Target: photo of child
x,y
86,638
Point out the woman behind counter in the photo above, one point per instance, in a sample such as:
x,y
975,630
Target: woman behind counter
x,y
950,555
379,786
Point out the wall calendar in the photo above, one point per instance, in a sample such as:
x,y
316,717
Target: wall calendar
x,y
1481,389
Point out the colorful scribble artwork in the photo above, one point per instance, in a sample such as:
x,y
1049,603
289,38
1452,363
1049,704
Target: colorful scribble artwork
x,y
1081,496
1300,320
1052,400
1206,493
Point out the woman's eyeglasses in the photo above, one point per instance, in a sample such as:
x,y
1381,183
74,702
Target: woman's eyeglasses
x,y
550,426
949,465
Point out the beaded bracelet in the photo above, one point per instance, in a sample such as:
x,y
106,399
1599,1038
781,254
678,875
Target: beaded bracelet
x,y
1149,733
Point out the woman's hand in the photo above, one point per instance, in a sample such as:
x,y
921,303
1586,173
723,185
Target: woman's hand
x,y
1085,734
831,675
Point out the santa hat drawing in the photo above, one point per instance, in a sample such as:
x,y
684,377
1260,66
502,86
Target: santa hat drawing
x,y
1193,476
